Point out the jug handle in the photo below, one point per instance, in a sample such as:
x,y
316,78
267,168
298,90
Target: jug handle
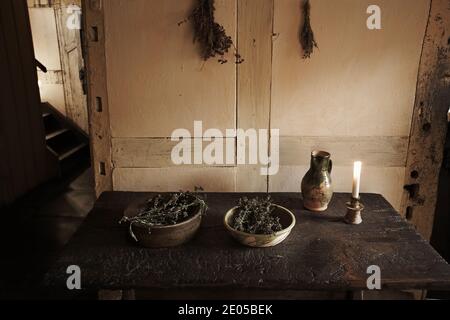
x,y
330,166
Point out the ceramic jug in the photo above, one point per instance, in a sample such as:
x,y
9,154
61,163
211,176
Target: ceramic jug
x,y
317,188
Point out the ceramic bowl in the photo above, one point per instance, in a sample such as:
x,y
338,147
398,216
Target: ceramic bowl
x,y
287,220
165,236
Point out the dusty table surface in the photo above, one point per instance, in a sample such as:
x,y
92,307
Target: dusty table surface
x,y
322,252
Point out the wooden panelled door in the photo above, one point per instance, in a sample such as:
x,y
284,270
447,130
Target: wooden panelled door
x,y
68,15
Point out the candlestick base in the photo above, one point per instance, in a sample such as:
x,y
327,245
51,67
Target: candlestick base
x,y
354,208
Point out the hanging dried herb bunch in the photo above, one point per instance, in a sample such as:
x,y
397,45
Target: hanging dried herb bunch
x,y
306,33
211,35
256,216
166,210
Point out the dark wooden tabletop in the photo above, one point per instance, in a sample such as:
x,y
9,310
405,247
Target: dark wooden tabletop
x,y
322,252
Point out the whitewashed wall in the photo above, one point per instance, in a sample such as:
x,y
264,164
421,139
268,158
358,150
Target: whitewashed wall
x,y
354,97
46,50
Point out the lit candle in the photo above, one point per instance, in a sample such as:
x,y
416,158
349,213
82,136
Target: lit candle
x,y
356,179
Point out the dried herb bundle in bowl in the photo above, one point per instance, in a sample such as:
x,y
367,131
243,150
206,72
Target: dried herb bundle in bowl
x,y
256,216
259,223
165,210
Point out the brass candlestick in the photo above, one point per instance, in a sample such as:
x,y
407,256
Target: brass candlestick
x,y
354,208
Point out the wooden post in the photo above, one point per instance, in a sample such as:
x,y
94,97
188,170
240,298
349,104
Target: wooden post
x,y
429,123
94,45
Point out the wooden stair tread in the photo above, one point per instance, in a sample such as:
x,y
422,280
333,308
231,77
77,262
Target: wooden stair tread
x,y
52,151
72,151
55,133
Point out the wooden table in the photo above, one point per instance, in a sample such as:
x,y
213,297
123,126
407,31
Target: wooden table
x,y
322,253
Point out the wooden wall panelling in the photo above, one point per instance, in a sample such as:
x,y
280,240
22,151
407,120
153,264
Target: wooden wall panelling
x,y
211,179
94,38
167,87
61,28
254,78
372,151
157,80
384,161
359,82
255,18
155,152
71,64
429,123
353,97
249,179
150,168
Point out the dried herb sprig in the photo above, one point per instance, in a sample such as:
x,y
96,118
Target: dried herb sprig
x,y
306,34
166,210
211,35
256,216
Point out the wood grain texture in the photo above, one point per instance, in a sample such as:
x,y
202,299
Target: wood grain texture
x,y
359,82
254,80
249,179
174,179
255,22
372,151
321,253
157,80
97,89
429,123
72,63
156,152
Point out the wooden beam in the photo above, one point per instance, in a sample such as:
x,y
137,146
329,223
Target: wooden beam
x,y
372,151
153,152
294,151
94,44
175,179
429,123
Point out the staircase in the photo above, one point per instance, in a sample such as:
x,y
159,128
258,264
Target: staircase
x,y
68,145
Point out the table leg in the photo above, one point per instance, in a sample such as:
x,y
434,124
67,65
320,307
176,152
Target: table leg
x,y
106,294
356,295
